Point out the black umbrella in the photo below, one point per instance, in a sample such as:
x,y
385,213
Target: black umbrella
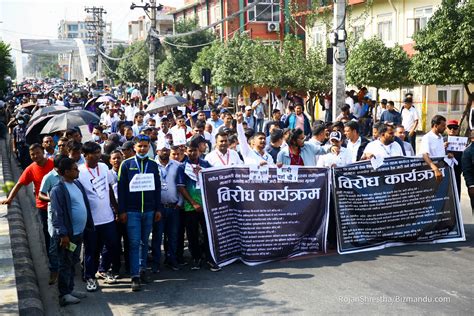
x,y
69,120
33,132
53,109
166,103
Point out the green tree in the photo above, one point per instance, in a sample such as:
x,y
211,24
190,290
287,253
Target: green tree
x,y
181,52
134,68
292,64
43,65
373,64
318,75
6,65
265,70
445,49
206,58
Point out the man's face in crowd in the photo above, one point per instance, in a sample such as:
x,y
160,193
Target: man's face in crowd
x,y
116,160
259,141
127,153
453,130
62,147
37,154
73,173
277,116
142,147
93,158
75,155
400,133
175,154
139,119
198,131
349,133
77,137
214,116
388,137
151,123
96,132
248,112
165,125
154,135
201,116
440,128
298,110
407,105
208,128
222,143
193,153
227,120
300,141
375,133
164,154
48,142
128,133
390,107
181,122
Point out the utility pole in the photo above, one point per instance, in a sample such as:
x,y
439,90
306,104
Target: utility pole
x,y
338,40
95,28
152,41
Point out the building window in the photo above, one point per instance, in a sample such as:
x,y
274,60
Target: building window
x,y
265,11
455,100
319,35
359,33
72,27
419,20
384,27
442,100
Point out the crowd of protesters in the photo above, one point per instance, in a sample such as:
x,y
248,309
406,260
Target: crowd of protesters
x,y
136,174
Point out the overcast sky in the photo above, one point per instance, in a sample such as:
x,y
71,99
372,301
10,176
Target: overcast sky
x,y
36,19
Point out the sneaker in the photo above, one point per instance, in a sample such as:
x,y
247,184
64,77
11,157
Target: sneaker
x,y
182,262
155,268
136,284
68,299
110,278
213,267
173,266
91,285
144,277
101,275
196,265
79,294
53,278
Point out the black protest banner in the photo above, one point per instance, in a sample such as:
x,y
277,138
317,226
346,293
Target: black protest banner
x,y
399,203
281,216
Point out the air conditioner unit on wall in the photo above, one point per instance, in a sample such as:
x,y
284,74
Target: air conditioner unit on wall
x,y
273,27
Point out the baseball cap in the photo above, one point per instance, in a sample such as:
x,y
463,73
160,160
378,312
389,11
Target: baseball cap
x,y
162,144
248,107
453,123
197,139
336,136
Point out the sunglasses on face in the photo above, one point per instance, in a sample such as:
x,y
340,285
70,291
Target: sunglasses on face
x,y
453,127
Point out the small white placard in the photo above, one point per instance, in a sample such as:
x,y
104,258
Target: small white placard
x,y
258,173
456,143
142,182
287,174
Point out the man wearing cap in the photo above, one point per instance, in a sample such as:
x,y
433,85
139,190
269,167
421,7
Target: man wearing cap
x,y
468,168
169,223
127,149
453,130
410,120
249,118
337,156
384,146
139,192
222,156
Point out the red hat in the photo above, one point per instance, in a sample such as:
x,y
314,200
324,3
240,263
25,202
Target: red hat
x,y
453,122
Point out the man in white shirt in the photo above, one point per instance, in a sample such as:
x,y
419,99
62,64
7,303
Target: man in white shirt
x,y
432,144
257,154
400,133
355,143
410,120
95,178
385,146
222,156
338,155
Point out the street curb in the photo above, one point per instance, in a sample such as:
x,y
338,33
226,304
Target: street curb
x,y
29,298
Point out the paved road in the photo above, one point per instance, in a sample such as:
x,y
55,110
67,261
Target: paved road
x,y
406,280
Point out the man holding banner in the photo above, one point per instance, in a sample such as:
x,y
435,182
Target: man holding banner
x,y
222,155
383,147
432,144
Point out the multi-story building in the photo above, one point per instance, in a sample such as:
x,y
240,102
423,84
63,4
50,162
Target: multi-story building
x,y
266,21
138,30
395,22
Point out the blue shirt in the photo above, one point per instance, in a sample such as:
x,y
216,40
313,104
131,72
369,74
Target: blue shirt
x,y
168,177
78,208
47,184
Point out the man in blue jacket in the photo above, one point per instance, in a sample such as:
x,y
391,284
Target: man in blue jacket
x,y
299,120
71,215
139,202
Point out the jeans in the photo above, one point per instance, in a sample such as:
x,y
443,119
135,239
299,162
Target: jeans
x,y
259,125
139,227
53,265
169,224
67,261
193,220
53,254
103,239
181,230
122,234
